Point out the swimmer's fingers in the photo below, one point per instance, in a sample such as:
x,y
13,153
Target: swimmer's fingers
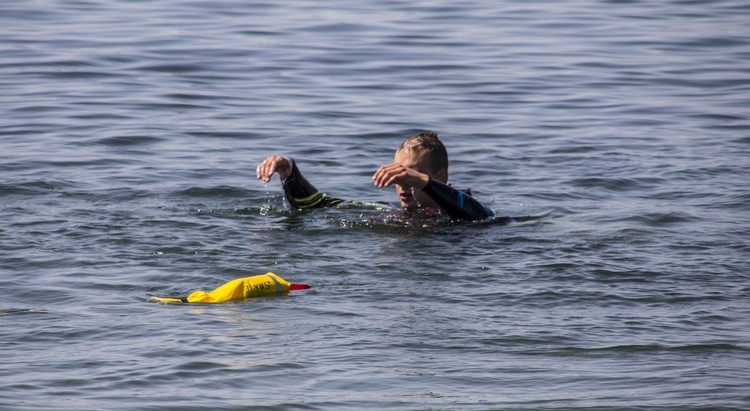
x,y
266,169
397,174
271,165
380,177
377,178
389,174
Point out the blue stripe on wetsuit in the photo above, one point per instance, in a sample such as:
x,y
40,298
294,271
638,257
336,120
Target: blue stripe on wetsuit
x,y
456,203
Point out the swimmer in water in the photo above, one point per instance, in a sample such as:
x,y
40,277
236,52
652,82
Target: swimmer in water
x,y
419,171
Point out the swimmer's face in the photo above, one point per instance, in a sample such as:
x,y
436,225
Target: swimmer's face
x,y
419,161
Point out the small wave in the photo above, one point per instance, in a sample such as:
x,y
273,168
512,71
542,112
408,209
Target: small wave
x,y
214,192
663,219
34,187
128,141
17,311
649,219
660,348
173,68
242,135
615,184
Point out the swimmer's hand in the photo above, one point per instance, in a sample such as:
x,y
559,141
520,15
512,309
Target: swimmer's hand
x,y
397,174
274,164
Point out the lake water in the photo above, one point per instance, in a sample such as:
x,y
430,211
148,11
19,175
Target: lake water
x,y
611,138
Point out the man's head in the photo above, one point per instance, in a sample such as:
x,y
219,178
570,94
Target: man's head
x,y
426,154
433,157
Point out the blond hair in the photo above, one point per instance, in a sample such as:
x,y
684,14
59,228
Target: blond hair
x,y
429,142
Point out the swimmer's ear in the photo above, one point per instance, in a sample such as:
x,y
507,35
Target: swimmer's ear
x,y
442,176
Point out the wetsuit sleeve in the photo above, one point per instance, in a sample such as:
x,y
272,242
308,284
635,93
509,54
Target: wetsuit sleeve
x,y
456,203
299,192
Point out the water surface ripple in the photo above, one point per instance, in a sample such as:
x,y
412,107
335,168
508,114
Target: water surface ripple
x,y
612,139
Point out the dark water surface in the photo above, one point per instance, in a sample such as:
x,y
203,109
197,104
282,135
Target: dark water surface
x,y
615,135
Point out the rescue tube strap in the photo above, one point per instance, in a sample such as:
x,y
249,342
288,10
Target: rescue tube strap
x,y
277,283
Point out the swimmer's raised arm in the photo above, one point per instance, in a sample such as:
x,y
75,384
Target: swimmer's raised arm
x,y
274,164
297,190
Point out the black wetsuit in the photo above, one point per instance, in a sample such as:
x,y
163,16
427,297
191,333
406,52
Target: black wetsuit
x,y
456,203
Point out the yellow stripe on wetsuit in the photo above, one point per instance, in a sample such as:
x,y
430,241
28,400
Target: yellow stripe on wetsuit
x,y
310,201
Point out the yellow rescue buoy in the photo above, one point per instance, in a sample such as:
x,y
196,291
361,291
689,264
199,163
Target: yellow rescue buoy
x,y
238,289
